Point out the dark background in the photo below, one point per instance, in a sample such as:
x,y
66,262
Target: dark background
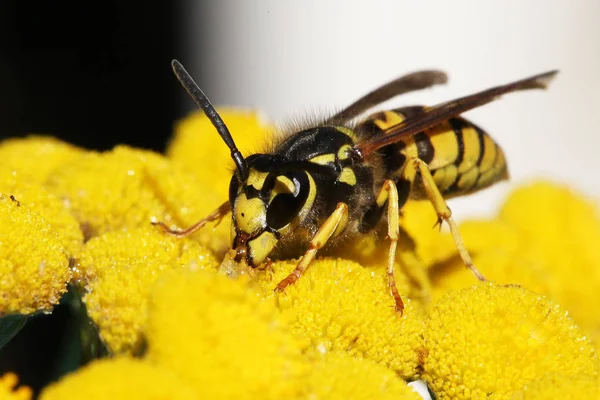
x,y
95,74
92,73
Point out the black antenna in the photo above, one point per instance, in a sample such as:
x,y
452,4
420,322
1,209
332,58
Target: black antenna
x,y
200,98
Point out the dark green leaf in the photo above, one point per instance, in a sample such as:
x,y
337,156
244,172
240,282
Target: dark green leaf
x,y
10,325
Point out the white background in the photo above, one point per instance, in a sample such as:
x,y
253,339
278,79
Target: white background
x,y
293,58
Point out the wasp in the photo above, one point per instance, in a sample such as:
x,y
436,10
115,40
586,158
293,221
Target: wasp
x,y
339,179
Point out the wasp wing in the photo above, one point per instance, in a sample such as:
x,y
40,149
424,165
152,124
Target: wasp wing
x,y
408,83
437,114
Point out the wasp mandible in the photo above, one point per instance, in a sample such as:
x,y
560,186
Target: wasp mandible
x,y
337,180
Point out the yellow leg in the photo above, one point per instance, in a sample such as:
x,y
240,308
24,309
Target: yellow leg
x,y
389,193
324,233
216,215
444,214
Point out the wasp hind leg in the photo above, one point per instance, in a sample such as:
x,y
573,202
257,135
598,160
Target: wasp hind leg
x,y
332,225
216,215
444,213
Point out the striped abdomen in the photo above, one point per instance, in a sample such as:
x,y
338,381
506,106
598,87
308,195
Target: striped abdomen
x,y
461,156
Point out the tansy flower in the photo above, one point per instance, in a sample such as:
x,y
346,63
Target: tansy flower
x,y
499,252
34,267
9,390
197,145
120,379
119,269
340,305
338,375
564,229
130,188
491,339
32,194
38,156
223,338
553,386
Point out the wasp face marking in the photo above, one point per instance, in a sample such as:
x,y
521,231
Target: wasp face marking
x,y
268,204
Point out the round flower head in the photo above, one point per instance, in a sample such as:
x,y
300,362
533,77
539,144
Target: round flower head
x,y
128,188
32,194
492,339
564,227
120,379
9,389
338,375
119,269
197,145
553,386
38,156
499,251
34,267
223,338
340,305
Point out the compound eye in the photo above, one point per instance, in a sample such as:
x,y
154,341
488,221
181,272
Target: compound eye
x,y
285,205
233,189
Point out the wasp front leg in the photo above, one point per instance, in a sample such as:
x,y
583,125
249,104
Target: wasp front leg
x,y
216,215
441,208
333,225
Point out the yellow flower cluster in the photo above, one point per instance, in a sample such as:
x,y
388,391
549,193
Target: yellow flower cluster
x,y
554,386
334,333
339,305
34,267
544,238
491,339
9,390
213,337
120,268
120,378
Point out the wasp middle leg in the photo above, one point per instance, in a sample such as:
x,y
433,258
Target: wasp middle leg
x,y
216,215
332,225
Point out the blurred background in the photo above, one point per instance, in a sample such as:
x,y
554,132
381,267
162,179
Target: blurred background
x,y
98,74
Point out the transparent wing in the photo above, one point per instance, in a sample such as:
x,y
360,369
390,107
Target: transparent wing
x,y
437,114
407,83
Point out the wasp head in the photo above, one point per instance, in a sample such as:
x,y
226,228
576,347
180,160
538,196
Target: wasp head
x,y
268,204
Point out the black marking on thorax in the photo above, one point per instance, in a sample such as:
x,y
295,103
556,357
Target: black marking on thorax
x,y
312,142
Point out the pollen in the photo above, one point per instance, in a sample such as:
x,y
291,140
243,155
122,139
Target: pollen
x,y
34,266
492,339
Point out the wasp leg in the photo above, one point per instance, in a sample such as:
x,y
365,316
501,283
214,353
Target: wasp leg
x,y
444,214
337,219
216,215
389,194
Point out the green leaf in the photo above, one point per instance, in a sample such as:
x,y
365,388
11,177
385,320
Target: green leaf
x,y
10,325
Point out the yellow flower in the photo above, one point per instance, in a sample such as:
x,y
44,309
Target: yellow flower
x,y
31,193
9,390
340,376
340,305
564,229
492,339
34,267
561,387
198,148
120,378
197,145
38,156
121,267
498,251
223,338
128,187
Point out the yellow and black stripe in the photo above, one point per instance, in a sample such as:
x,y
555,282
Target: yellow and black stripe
x,y
461,156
